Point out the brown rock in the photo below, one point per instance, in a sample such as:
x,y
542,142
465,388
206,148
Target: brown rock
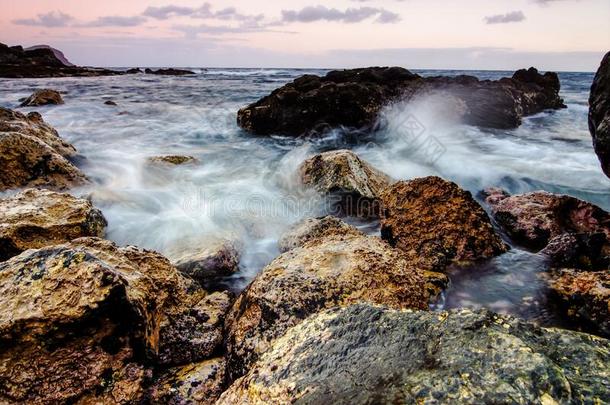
x,y
172,160
199,383
314,228
323,273
533,219
36,218
26,161
43,97
219,259
78,321
342,174
584,296
436,223
586,251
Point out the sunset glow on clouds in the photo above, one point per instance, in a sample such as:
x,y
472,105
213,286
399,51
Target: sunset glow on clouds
x,y
552,34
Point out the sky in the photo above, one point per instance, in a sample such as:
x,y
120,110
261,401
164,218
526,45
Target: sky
x,y
563,35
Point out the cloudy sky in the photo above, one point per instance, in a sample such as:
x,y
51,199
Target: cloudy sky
x,y
443,34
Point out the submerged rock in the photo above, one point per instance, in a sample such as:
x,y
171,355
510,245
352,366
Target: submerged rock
x,y
314,228
36,218
533,219
342,174
169,72
599,113
584,297
219,259
199,383
354,98
171,160
335,270
110,103
364,354
43,97
26,161
94,316
436,223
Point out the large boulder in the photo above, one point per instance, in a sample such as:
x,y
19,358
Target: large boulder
x,y
314,228
198,383
331,271
354,98
36,218
599,113
369,355
43,97
33,155
85,320
343,175
436,223
41,61
533,219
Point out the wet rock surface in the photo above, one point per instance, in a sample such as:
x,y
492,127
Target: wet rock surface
x,y
84,320
314,228
364,354
436,223
43,97
353,184
323,273
353,98
198,383
599,113
211,262
175,160
532,219
16,62
36,218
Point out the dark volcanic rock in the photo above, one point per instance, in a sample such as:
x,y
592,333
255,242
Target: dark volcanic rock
x,y
372,355
436,223
15,62
599,113
354,98
43,97
133,71
169,72
586,251
533,219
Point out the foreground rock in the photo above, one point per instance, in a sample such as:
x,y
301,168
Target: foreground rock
x,y
199,383
599,113
533,219
36,218
169,72
94,317
33,155
436,223
314,228
331,271
364,354
354,98
43,97
41,61
341,174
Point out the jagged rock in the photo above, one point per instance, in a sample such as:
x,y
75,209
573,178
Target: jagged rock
x,y
83,320
26,161
314,228
218,259
436,223
586,251
169,72
364,355
323,273
353,98
171,160
584,297
200,383
342,174
133,71
43,97
34,125
36,218
41,61
532,219
599,113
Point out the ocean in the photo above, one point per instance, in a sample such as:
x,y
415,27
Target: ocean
x,y
245,187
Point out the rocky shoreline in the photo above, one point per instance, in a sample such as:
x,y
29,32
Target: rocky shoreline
x,y
339,316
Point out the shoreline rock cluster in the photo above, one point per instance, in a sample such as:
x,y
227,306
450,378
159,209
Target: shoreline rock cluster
x,y
338,317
